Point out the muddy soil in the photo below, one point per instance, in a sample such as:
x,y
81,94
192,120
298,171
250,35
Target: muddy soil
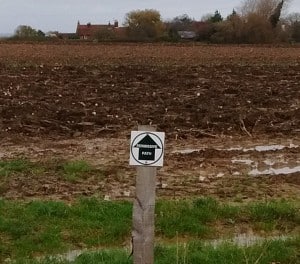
x,y
231,116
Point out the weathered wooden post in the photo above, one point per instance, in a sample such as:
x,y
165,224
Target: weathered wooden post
x,y
146,152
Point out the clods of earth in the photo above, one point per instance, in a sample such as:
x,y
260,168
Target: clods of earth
x,y
231,116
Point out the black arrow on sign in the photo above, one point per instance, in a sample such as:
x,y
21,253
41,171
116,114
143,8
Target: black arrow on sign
x,y
147,147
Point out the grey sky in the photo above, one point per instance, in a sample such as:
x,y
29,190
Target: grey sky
x,y
62,15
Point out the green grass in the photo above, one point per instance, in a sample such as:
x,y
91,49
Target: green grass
x,y
40,227
273,210
76,169
50,227
196,252
71,171
14,166
269,215
190,217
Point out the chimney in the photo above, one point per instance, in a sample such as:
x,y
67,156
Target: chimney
x,y
116,24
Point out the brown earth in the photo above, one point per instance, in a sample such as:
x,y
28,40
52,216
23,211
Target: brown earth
x,y
215,103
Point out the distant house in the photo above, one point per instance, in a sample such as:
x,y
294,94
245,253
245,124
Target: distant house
x,y
52,34
187,34
91,32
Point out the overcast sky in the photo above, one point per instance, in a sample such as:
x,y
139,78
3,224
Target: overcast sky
x,y
62,15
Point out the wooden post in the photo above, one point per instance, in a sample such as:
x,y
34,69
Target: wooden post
x,y
143,212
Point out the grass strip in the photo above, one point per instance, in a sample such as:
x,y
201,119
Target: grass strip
x,y
29,229
15,166
51,227
195,252
71,171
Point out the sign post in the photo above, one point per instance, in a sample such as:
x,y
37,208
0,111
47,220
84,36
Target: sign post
x,y
146,152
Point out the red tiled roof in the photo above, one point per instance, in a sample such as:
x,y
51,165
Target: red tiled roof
x,y
91,30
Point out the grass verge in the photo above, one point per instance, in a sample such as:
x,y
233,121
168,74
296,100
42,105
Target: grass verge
x,y
48,227
52,227
276,251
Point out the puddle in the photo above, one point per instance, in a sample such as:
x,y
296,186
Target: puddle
x,y
241,240
220,175
246,240
269,162
243,161
232,149
187,151
272,171
265,148
71,255
262,148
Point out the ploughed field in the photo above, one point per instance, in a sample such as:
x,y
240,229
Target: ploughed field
x,y
231,116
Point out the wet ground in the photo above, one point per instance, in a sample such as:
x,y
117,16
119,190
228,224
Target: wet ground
x,y
231,116
226,168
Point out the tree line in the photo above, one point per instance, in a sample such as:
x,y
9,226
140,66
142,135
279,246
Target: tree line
x,y
255,21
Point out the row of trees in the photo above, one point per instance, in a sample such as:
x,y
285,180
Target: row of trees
x,y
256,21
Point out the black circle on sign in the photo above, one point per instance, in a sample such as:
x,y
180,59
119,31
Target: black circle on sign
x,y
162,148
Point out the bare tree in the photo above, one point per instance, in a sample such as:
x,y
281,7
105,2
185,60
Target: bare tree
x,y
293,26
261,18
264,8
292,18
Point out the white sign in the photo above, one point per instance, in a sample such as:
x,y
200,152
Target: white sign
x,y
147,148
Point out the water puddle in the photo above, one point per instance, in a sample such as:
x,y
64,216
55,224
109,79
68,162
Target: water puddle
x,y
256,160
241,240
243,161
70,256
260,148
246,240
265,148
269,162
272,171
187,151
